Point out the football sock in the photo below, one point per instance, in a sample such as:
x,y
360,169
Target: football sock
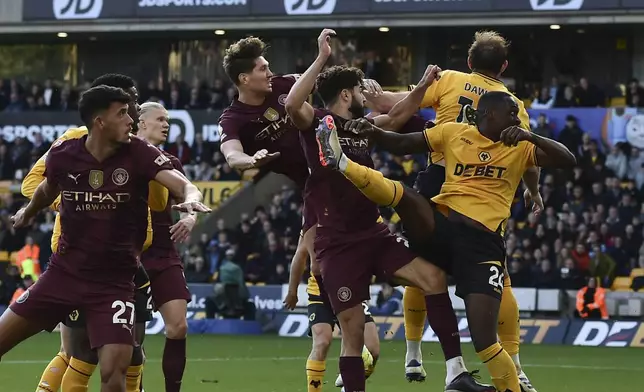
x,y
442,320
52,377
133,378
315,375
352,371
141,382
415,319
174,363
76,378
508,326
501,369
372,183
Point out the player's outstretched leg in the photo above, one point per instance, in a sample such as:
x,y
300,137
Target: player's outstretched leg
x,y
52,377
415,315
510,331
371,349
351,364
417,216
482,314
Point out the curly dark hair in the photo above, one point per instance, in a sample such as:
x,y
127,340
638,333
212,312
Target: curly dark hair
x,y
488,52
240,57
335,79
114,80
97,99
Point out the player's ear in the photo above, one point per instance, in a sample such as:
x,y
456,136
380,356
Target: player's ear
x,y
504,67
469,63
346,94
243,78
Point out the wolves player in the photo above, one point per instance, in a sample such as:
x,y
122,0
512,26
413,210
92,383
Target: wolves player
x,y
103,182
162,262
350,244
487,58
75,350
484,165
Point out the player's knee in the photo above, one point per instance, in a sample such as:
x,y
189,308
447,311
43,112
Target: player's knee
x,y
177,329
321,346
113,376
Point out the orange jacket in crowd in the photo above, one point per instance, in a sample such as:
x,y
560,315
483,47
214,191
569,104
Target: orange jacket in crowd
x,y
598,303
32,253
19,291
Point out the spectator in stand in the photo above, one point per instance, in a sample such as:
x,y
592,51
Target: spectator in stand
x,y
546,277
567,99
202,151
602,266
196,271
588,95
388,302
591,301
571,135
544,101
571,277
181,149
617,161
634,94
542,128
15,103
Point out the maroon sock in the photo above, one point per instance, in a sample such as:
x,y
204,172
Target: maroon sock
x,y
442,319
352,371
174,363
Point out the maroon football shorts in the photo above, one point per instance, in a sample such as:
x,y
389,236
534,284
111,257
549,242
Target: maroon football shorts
x,y
349,262
109,310
168,284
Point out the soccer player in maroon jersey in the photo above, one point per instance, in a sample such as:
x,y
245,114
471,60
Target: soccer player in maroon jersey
x,y
103,182
350,245
161,260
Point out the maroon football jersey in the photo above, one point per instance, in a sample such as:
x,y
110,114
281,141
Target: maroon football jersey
x,y
339,205
267,126
162,248
103,210
415,124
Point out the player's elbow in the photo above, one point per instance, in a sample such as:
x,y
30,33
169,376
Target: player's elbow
x,y
568,159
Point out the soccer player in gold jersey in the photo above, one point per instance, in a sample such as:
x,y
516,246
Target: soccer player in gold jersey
x,y
484,164
487,58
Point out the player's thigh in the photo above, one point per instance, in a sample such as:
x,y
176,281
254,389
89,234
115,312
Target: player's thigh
x,y
114,359
174,317
168,284
478,261
434,247
429,181
482,314
14,329
80,347
65,336
417,215
346,272
110,320
351,322
320,314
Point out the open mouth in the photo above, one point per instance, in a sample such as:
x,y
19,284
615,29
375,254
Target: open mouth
x,y
165,133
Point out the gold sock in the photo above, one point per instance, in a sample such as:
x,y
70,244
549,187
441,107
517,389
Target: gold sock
x,y
374,185
501,368
414,312
52,377
77,376
133,378
509,328
315,375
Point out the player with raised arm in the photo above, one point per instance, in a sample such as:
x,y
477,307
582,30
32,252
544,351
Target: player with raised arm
x,y
161,261
484,165
350,244
256,132
103,182
75,350
487,58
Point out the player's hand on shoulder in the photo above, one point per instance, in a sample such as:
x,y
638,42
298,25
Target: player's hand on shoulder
x,y
20,219
263,157
535,201
324,42
192,207
360,126
290,302
431,74
180,231
513,135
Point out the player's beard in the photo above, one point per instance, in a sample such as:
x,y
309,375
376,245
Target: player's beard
x,y
356,109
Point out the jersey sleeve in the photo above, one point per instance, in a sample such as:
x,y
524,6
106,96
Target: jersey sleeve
x,y
523,115
434,137
433,94
150,160
53,170
228,128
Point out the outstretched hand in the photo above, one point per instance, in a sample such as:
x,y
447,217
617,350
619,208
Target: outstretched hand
x,y
360,126
324,42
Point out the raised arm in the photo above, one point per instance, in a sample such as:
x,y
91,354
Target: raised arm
x,y
43,196
182,190
548,152
405,108
297,107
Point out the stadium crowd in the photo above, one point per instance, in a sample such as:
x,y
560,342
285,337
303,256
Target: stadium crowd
x,y
592,224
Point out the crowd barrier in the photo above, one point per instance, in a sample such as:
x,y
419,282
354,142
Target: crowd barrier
x,y
273,318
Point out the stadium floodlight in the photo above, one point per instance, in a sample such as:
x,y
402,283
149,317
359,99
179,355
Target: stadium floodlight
x,y
384,29
62,35
220,32
555,27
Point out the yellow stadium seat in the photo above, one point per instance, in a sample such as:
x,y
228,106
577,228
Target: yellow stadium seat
x,y
618,102
622,283
637,272
4,255
13,256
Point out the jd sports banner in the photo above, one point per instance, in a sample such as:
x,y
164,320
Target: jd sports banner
x,y
151,9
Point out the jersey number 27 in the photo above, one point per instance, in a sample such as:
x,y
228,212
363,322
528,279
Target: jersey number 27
x,y
463,101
